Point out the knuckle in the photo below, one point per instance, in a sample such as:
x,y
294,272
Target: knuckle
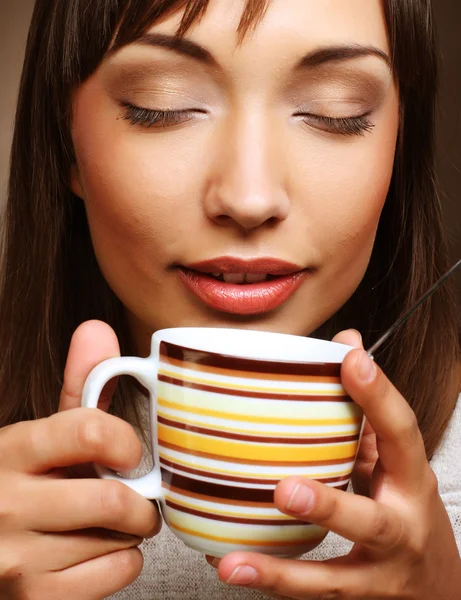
x,y
7,510
8,518
129,562
31,435
91,434
115,500
432,483
411,427
12,566
380,528
416,545
279,583
327,510
5,432
385,533
407,430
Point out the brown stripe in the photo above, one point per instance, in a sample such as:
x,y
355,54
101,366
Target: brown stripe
x,y
169,463
249,394
311,463
257,438
217,490
222,361
182,364
234,519
198,496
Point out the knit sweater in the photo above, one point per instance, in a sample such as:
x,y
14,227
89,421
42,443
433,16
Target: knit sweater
x,y
174,572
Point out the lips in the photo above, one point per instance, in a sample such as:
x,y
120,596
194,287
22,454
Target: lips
x,y
243,287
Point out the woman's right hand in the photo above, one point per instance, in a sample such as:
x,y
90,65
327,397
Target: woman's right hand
x,y
71,538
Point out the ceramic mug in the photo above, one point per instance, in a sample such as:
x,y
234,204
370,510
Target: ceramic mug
x,y
233,412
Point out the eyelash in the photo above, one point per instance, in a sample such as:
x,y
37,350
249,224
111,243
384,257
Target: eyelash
x,y
145,117
347,126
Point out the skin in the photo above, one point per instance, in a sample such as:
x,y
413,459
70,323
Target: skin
x,y
255,180
244,178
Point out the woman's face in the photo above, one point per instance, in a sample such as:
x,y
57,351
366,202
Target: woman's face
x,y
233,184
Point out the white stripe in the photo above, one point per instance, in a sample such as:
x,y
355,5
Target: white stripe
x,y
230,468
236,484
219,549
257,407
270,385
255,428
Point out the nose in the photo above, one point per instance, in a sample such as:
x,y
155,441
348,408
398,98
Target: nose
x,y
246,188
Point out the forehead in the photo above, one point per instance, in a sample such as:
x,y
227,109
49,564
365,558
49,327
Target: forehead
x,y
287,22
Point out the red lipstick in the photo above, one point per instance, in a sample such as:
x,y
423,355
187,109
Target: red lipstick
x,y
243,287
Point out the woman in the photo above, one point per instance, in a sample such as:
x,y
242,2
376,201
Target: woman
x,y
170,158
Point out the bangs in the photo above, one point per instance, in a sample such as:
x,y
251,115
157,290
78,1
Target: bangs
x,y
139,15
80,33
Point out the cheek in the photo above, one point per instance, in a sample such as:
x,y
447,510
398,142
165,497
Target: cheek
x,y
138,199
347,186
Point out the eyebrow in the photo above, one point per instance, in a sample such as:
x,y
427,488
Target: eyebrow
x,y
313,59
180,46
341,53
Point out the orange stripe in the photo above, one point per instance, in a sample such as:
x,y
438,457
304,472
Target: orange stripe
x,y
269,463
252,451
260,419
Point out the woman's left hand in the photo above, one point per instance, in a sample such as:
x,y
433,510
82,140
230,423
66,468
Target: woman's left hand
x,y
404,546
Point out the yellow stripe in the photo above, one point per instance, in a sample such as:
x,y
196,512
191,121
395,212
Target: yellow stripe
x,y
251,388
286,434
279,517
185,463
257,419
224,540
247,451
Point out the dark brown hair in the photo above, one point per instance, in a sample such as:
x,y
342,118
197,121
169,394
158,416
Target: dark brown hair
x,y
50,280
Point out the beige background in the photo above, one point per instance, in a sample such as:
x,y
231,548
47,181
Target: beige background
x,y
15,16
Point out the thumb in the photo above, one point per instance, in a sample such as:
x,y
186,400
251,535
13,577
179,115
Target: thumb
x,y
367,454
92,342
350,337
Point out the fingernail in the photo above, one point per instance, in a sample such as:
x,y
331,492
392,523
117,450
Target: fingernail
x,y
359,335
301,500
366,367
243,575
215,562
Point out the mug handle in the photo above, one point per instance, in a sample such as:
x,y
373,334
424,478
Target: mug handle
x,y
145,371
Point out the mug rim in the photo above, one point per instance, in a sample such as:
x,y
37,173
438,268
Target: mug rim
x,y
296,349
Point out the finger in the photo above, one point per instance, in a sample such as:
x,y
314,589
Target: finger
x,y
58,506
104,576
77,436
399,441
350,337
300,579
57,551
365,464
367,454
371,524
92,342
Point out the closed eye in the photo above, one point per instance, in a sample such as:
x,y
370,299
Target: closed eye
x,y
147,117
338,125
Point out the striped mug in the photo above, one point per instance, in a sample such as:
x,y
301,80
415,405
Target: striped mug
x,y
232,413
